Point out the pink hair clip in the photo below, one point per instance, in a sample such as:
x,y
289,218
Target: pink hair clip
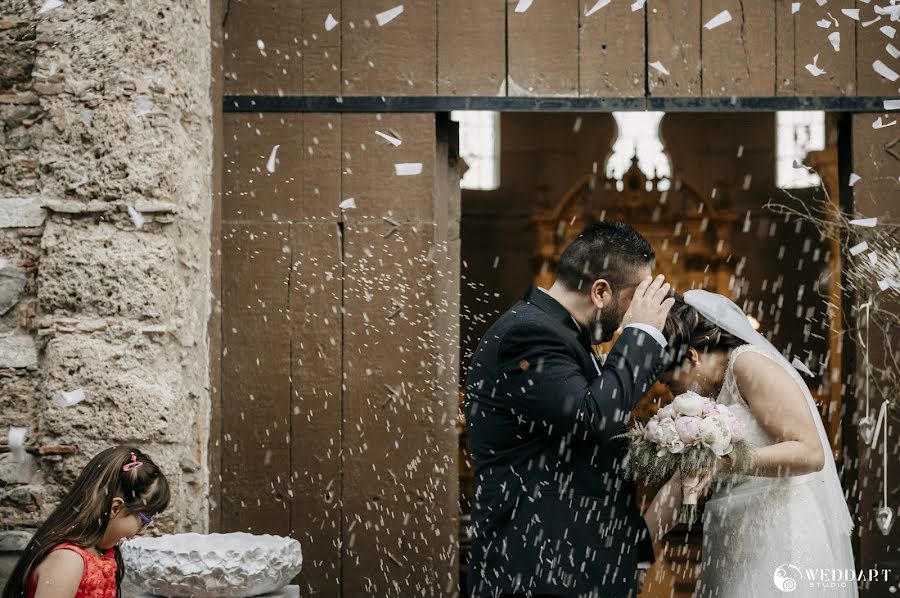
x,y
132,464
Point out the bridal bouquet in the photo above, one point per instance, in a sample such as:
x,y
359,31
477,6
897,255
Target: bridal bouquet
x,y
688,435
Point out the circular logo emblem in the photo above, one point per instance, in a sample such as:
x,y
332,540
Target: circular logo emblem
x,y
785,579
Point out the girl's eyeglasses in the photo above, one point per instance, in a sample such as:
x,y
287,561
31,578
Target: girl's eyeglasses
x,y
145,521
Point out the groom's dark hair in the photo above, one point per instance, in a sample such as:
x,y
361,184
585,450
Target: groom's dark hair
x,y
609,249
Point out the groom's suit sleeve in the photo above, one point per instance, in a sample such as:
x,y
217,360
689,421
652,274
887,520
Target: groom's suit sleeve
x,y
542,380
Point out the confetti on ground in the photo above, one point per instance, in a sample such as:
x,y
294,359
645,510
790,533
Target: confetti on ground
x,y
835,38
330,22
854,178
17,443
639,4
813,68
868,222
270,165
50,5
408,169
389,138
659,66
799,365
67,399
389,15
885,71
859,248
348,204
853,13
892,104
136,217
795,7
600,4
720,19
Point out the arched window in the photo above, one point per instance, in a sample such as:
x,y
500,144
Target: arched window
x,y
797,133
639,135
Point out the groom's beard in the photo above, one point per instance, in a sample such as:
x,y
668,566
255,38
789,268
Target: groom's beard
x,y
605,323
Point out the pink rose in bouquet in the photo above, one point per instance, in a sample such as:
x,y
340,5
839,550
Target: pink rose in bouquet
x,y
688,428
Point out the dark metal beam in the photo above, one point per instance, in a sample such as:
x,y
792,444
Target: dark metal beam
x,y
545,104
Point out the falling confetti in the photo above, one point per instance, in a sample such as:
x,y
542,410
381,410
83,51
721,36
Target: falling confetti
x,y
879,124
888,31
859,248
330,22
576,128
813,68
389,138
50,5
799,365
600,4
136,217
348,204
261,45
885,71
523,5
835,38
867,222
270,165
67,399
639,4
389,15
144,106
824,23
854,178
894,52
16,442
892,104
873,258
853,13
659,66
408,169
887,283
795,7
720,19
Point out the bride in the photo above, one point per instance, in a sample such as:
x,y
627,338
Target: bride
x,y
779,517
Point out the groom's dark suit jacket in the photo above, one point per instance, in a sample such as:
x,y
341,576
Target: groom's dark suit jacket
x,y
553,513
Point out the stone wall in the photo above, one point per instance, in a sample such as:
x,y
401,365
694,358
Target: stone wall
x,y
105,158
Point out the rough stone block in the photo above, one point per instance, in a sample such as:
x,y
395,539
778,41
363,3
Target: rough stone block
x,y
17,351
21,212
14,540
101,270
12,284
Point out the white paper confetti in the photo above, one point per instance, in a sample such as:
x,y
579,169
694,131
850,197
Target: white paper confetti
x,y
873,258
872,22
824,23
853,13
136,217
813,68
867,222
144,106
894,52
67,399
348,204
389,15
330,22
888,31
408,169
740,152
720,19
261,45
878,124
639,4
821,2
887,283
892,104
16,442
800,166
576,128
835,38
885,71
799,365
795,7
600,4
659,66
270,164
389,138
50,5
859,248
854,178
3,262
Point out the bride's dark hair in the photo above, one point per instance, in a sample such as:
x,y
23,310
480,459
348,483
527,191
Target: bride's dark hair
x,y
686,329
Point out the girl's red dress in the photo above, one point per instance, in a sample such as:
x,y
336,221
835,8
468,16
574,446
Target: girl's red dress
x,y
98,579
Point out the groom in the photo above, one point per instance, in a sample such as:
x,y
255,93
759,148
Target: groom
x,y
552,515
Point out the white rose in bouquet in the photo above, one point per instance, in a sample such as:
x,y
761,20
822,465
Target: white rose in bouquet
x,y
715,433
667,436
689,403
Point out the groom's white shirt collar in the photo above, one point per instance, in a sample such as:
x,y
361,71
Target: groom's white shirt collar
x,y
653,331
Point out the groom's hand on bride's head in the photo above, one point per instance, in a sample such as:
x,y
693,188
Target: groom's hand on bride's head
x,y
649,304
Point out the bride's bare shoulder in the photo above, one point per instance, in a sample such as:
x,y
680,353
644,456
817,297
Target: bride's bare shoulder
x,y
756,372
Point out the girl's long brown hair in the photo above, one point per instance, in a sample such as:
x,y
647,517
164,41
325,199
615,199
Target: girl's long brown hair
x,y
83,515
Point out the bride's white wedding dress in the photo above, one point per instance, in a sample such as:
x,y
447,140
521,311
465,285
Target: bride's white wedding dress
x,y
759,533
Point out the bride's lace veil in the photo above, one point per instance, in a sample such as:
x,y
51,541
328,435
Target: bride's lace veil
x,y
729,317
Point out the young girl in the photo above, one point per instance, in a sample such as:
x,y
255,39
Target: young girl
x,y
74,554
